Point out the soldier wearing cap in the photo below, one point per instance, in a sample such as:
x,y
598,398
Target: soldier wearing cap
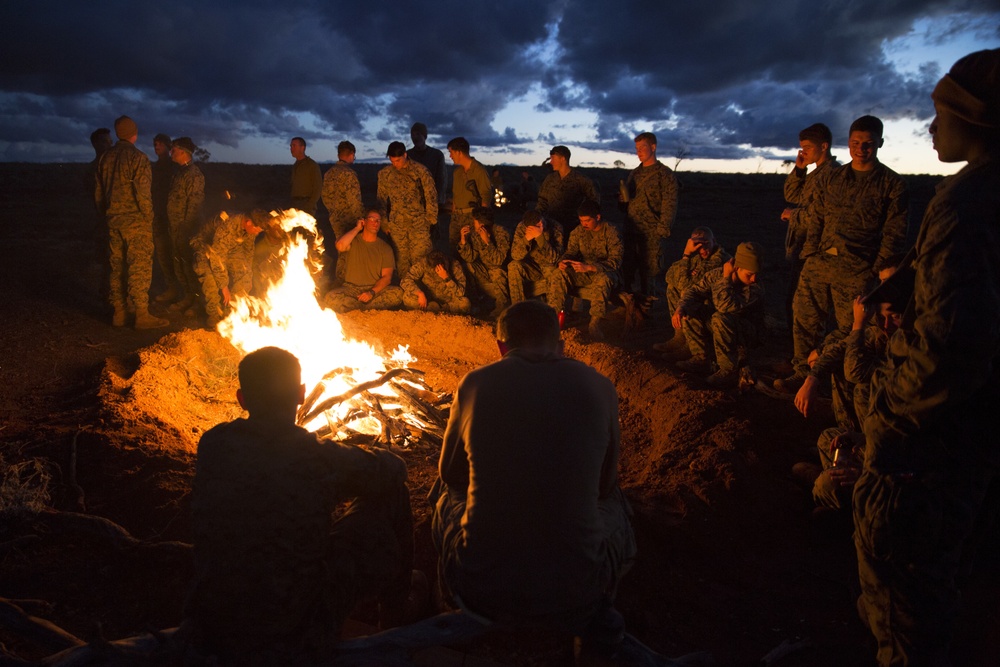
x,y
930,431
122,195
732,316
701,255
564,190
406,190
184,202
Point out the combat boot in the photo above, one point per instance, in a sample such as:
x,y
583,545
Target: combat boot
x,y
182,305
677,342
145,320
699,365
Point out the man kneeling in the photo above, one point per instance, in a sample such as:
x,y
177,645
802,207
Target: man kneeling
x,y
276,574
530,525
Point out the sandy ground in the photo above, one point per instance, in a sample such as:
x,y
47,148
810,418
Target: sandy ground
x,y
730,559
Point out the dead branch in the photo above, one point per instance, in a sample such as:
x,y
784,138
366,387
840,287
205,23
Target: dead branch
x,y
350,393
419,404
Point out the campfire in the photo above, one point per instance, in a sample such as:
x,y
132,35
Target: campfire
x,y
353,393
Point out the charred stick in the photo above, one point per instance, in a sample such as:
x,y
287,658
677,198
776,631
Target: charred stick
x,y
353,391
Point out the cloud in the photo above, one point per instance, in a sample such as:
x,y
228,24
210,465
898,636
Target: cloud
x,y
722,78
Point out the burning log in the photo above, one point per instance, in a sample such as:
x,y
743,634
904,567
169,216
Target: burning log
x,y
307,413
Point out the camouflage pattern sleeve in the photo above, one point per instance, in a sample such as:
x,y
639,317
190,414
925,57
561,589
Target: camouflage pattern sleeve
x,y
668,201
795,184
495,253
415,274
552,243
894,231
430,192
187,193
342,194
831,355
699,292
519,245
143,185
382,193
573,247
547,192
604,248
864,352
467,250
729,298
228,235
455,287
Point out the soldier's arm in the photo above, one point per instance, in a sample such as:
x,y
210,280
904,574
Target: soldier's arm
x,y
453,466
329,189
728,298
408,283
195,200
615,250
430,195
519,246
894,231
354,197
795,184
143,188
495,253
382,192
668,201
861,355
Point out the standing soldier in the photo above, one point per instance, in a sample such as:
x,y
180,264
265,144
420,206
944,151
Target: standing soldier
x,y
650,197
433,159
860,223
590,265
342,196
406,190
800,190
307,181
484,248
122,194
564,190
187,194
163,173
470,189
538,244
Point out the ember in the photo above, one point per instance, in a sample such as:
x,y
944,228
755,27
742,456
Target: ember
x,y
354,392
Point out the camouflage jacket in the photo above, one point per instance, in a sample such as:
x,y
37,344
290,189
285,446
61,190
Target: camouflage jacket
x,y
342,196
652,202
862,219
433,159
726,296
864,352
560,197
544,250
690,269
600,247
122,186
221,240
471,188
493,254
423,278
409,196
933,403
800,190
187,194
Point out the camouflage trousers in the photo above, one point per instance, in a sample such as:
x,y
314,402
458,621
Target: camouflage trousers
x,y
370,553
240,283
643,256
595,286
164,248
909,535
180,236
615,516
491,281
130,245
458,305
827,287
410,244
720,336
526,279
676,280
344,299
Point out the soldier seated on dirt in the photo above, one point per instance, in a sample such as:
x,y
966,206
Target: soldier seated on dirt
x,y
435,283
536,248
276,574
485,248
721,313
701,255
368,269
530,525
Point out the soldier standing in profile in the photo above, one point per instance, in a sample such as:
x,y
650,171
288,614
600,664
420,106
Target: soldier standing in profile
x,y
122,194
406,190
650,198
470,189
163,174
187,194
430,157
307,180
342,196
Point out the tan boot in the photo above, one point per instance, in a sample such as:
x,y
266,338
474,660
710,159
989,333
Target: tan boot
x,y
144,320
169,296
118,319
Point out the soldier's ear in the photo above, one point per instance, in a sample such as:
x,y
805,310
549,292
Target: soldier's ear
x,y
302,394
503,348
239,399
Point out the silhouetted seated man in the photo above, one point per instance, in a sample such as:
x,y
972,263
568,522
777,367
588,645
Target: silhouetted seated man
x,y
529,523
368,274
276,574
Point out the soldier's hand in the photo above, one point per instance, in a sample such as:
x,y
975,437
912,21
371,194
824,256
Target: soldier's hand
x,y
691,247
366,296
728,268
421,300
807,394
532,232
441,271
861,312
227,296
464,232
786,215
676,320
361,225
800,161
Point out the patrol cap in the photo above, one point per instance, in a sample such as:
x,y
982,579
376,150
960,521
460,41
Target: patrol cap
x,y
560,150
185,144
125,127
702,235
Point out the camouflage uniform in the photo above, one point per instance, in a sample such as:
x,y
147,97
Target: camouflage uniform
x,y
931,426
860,222
688,270
485,262
276,575
450,293
187,194
409,196
652,208
122,194
534,261
163,173
600,247
734,317
364,263
560,197
307,185
801,190
223,257
342,198
469,189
